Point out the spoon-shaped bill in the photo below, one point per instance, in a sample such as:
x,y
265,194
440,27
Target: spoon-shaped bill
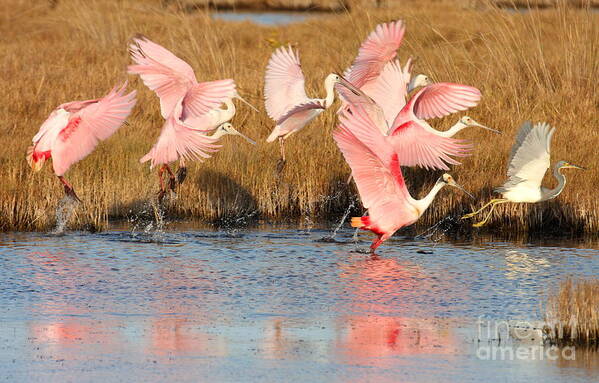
x,y
245,137
474,123
456,185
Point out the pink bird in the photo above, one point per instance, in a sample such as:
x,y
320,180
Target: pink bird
x,y
191,109
377,173
377,73
285,96
413,139
73,130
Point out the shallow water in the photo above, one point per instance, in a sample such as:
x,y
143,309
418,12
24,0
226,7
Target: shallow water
x,y
275,304
264,18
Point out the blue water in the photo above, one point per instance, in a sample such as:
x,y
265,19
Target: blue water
x,y
264,18
270,304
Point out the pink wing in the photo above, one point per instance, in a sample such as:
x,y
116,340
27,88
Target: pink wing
x,y
178,141
89,126
304,107
354,97
284,83
161,71
389,90
296,119
442,99
380,183
376,51
416,146
203,97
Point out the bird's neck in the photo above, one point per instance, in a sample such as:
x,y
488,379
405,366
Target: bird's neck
x,y
424,203
453,130
330,97
229,108
561,183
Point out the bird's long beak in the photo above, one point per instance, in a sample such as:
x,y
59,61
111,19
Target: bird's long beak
x,y
456,185
343,81
244,136
572,166
247,103
474,123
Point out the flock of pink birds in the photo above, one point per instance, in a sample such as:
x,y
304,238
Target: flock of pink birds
x,y
382,121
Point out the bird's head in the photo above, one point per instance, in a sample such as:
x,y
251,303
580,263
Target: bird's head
x,y
332,79
227,128
469,121
567,165
418,81
447,179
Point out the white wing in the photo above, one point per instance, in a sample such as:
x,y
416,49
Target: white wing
x,y
530,156
284,83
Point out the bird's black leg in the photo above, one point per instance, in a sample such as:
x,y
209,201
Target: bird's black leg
x,y
281,163
181,174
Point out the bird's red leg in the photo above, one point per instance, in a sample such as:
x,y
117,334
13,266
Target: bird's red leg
x,y
376,243
68,189
172,182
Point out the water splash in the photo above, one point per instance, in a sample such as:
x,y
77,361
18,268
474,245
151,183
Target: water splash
x,y
437,232
331,238
64,212
149,222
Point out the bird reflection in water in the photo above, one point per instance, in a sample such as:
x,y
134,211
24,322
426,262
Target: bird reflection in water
x,y
381,289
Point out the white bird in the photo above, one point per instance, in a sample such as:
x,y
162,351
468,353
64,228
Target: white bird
x,y
528,162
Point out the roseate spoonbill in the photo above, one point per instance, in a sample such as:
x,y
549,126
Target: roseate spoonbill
x,y
413,139
528,162
285,96
376,169
73,130
191,109
376,72
180,141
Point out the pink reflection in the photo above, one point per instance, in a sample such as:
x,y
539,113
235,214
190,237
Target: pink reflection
x,y
385,288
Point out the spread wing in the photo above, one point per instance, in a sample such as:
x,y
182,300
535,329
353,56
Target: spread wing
x,y
376,51
302,110
356,98
389,90
161,71
375,168
178,141
284,83
416,146
530,155
206,96
438,100
89,126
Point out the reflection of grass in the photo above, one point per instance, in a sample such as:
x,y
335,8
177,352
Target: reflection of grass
x,y
537,65
573,313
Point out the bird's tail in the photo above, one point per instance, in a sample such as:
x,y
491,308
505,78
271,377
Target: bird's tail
x,y
360,221
35,159
274,135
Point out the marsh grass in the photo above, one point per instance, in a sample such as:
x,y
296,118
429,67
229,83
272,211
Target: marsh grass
x,y
538,65
572,314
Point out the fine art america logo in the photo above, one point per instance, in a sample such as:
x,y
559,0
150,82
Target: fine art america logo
x,y
529,342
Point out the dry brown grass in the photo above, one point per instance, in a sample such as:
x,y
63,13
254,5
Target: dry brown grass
x,y
538,65
573,313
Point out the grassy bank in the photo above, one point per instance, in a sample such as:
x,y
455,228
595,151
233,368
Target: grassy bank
x,y
573,313
536,65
